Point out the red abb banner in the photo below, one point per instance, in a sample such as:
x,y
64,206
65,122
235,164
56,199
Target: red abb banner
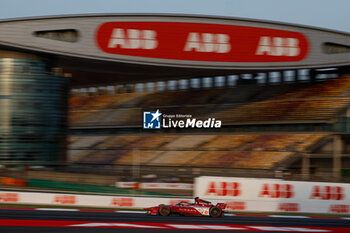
x,y
65,199
9,197
339,209
201,42
236,205
122,202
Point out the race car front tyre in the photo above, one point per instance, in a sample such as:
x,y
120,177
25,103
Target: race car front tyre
x,y
164,210
215,212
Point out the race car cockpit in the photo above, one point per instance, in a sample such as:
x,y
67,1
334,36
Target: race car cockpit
x,y
183,203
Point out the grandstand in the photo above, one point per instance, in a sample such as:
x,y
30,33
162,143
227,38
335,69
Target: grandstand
x,y
228,151
237,105
219,153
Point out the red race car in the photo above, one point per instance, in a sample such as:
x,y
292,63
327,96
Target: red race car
x,y
198,208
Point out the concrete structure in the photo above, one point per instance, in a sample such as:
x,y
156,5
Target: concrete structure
x,y
105,49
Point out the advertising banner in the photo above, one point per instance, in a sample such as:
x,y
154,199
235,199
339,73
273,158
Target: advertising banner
x,y
85,200
201,42
240,194
253,194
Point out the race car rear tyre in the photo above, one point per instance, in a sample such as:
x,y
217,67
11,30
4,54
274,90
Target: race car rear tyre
x,y
215,212
164,210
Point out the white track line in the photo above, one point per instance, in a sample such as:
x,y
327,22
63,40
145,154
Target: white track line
x,y
56,209
288,216
229,214
131,212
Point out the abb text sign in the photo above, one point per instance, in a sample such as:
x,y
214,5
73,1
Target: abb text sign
x,y
270,189
275,195
201,42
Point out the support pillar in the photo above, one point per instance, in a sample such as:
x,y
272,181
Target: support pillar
x,y
297,76
225,85
283,77
268,77
313,75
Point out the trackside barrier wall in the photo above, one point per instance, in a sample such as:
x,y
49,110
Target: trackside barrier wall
x,y
275,195
83,200
240,194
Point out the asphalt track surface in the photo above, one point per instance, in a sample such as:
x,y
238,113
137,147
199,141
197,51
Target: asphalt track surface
x,y
35,221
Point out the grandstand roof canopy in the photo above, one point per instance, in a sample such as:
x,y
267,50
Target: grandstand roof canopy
x,y
106,49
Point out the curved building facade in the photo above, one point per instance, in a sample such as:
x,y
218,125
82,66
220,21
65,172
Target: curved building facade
x,y
137,47
33,106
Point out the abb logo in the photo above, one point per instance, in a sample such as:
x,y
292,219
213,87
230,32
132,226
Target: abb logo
x,y
224,189
327,193
9,197
65,199
208,42
277,191
278,46
236,205
341,209
133,39
122,202
288,207
186,42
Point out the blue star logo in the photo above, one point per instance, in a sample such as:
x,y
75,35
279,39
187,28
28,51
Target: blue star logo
x,y
151,120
